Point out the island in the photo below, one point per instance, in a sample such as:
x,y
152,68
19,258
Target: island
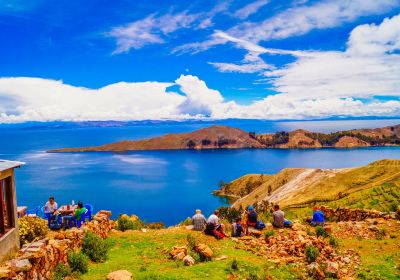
x,y
225,137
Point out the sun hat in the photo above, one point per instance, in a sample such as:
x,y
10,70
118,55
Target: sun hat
x,y
250,208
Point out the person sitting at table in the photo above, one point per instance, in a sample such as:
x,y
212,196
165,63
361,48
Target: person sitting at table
x,y
79,211
51,206
50,209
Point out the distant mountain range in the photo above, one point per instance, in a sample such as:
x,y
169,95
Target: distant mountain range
x,y
225,137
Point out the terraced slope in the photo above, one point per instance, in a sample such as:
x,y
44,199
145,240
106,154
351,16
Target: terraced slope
x,y
299,187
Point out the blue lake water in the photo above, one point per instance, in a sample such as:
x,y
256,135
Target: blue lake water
x,y
158,185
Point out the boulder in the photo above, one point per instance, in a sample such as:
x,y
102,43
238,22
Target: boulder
x,y
178,253
315,270
332,269
105,212
204,250
188,260
119,275
19,265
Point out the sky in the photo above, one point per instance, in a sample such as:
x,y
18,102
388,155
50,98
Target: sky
x,y
256,59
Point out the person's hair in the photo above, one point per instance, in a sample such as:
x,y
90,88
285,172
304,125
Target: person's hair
x,y
216,212
238,220
80,204
276,206
198,211
51,198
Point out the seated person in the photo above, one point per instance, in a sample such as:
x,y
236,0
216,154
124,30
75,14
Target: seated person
x,y
237,228
199,221
251,217
213,226
79,211
51,206
279,218
318,218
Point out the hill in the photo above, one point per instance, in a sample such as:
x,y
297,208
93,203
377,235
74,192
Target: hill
x,y
296,187
225,137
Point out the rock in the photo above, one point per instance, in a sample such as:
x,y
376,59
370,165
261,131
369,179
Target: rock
x,y
4,272
105,212
119,275
332,269
315,270
144,230
188,260
221,258
19,265
178,253
373,228
346,260
204,250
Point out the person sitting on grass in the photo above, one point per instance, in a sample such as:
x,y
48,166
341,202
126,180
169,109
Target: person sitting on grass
x,y
213,226
79,211
237,228
318,218
199,221
279,218
251,217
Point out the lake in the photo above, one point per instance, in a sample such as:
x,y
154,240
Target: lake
x,y
158,185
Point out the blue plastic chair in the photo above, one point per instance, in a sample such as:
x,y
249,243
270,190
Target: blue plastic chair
x,y
34,211
89,211
82,220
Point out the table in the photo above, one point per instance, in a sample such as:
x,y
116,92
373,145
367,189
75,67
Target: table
x,y
21,210
66,210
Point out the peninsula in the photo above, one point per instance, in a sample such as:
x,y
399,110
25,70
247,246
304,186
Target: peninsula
x,y
225,137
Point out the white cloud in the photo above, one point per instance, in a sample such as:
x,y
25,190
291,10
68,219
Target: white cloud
x,y
296,21
150,30
250,9
368,68
302,19
155,29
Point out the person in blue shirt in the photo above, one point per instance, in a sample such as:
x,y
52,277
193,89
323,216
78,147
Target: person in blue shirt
x,y
318,218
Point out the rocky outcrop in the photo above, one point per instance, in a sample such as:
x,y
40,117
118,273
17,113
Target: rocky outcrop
x,y
37,260
350,142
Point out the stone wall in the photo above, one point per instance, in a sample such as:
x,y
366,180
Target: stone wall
x,y
36,260
349,214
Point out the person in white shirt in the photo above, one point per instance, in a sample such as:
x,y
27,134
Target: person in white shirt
x,y
51,206
213,225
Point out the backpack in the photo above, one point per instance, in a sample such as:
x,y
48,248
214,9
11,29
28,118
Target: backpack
x,y
252,219
260,225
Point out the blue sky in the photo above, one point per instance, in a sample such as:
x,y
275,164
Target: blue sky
x,y
264,59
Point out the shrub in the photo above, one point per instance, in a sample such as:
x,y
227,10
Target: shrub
x,y
124,222
269,233
333,242
234,264
320,231
60,272
78,262
95,247
186,222
380,234
32,229
311,253
191,240
156,225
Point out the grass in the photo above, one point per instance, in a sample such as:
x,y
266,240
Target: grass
x,y
146,256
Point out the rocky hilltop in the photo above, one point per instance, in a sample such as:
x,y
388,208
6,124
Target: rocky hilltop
x,y
225,137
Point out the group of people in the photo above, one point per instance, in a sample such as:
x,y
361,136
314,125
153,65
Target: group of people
x,y
52,213
212,225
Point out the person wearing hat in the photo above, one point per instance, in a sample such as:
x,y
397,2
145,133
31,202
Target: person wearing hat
x,y
251,217
199,221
